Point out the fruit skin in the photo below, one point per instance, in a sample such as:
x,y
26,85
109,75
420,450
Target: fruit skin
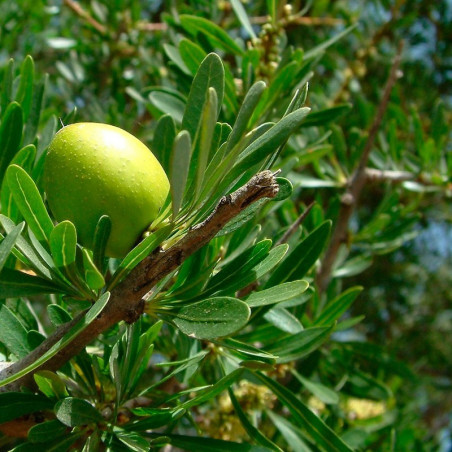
x,y
94,169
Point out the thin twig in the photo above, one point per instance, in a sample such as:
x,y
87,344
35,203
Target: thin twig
x,y
77,9
295,224
375,175
356,183
126,300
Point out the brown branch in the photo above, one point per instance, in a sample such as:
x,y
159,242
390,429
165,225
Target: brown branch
x,y
356,183
77,9
375,175
302,20
295,224
126,300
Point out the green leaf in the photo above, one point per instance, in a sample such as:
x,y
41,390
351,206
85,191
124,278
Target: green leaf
x,y
272,139
246,111
30,203
78,328
241,14
179,167
323,393
63,244
162,144
32,124
134,257
27,253
6,90
25,90
50,384
200,444
216,35
299,345
210,75
212,318
17,404
243,217
181,366
302,257
200,159
277,294
10,135
12,333
323,436
192,54
285,189
243,264
338,306
73,412
7,244
57,314
212,391
315,51
25,159
323,117
154,418
247,352
132,440
40,433
93,276
168,104
101,235
293,435
283,320
252,431
15,283
174,55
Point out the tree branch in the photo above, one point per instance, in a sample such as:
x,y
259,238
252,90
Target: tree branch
x,y
77,9
356,183
375,175
126,300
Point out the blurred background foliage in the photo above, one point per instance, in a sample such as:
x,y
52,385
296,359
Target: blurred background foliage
x,y
126,62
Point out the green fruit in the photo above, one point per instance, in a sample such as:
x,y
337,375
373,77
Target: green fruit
x,y
96,169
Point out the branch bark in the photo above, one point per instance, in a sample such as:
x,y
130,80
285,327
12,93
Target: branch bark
x,y
126,300
356,183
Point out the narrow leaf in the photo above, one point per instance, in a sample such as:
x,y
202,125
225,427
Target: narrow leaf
x,y
216,35
93,276
95,310
252,431
241,14
17,404
7,245
323,117
277,294
24,158
15,283
210,75
246,111
12,333
192,54
10,135
30,203
338,306
164,135
63,244
101,235
179,167
321,433
302,257
323,393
